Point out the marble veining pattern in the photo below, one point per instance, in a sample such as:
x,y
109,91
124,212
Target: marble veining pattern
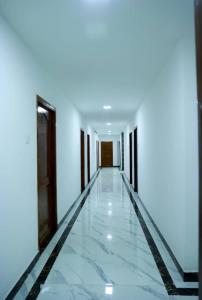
x,y
106,255
162,249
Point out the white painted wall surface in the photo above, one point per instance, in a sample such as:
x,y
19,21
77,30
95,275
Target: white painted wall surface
x,y
115,139
168,154
22,79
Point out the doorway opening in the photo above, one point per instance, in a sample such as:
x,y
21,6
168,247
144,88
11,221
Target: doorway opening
x,y
130,158
46,167
98,154
135,161
119,154
88,156
107,154
82,138
122,151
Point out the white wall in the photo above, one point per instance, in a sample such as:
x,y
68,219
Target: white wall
x,y
115,139
22,79
69,123
168,154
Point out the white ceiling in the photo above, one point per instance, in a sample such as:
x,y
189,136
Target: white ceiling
x,y
103,51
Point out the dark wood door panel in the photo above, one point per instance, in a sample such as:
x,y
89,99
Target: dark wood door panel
x,y
97,152
107,154
82,161
46,157
130,158
122,151
135,161
88,153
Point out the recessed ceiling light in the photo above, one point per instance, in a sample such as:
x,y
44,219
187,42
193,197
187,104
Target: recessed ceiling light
x,y
107,107
108,124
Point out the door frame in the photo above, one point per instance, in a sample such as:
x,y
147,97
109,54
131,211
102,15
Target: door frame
x,y
122,151
98,154
88,156
135,162
130,157
82,159
198,35
53,169
101,143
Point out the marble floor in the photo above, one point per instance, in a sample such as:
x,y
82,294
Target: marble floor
x,y
106,254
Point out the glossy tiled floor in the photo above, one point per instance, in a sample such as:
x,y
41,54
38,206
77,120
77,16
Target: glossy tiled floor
x,y
106,255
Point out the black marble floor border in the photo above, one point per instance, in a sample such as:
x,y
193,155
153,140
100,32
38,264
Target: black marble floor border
x,y
74,203
22,279
24,276
35,290
186,276
164,273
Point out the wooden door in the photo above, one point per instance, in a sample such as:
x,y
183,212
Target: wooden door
x,y
107,154
119,154
88,154
198,28
122,151
82,161
135,162
46,156
130,158
97,151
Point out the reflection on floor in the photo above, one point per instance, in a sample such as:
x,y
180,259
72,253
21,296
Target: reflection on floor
x,y
106,254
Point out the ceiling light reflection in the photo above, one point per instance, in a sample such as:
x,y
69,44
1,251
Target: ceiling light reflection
x,y
108,289
109,236
45,289
41,110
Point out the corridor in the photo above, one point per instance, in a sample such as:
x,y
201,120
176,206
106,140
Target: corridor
x,y
105,254
100,157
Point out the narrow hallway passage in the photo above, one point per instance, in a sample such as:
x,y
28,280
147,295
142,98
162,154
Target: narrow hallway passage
x,y
101,151
106,254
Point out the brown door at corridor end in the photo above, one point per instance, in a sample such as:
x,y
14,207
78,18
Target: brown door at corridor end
x,y
82,161
46,156
107,154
